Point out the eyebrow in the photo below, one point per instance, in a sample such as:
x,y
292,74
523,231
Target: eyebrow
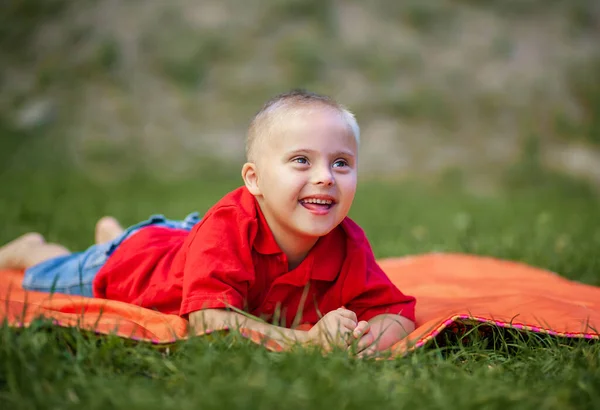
x,y
310,151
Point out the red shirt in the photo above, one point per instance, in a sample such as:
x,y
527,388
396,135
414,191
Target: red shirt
x,y
231,259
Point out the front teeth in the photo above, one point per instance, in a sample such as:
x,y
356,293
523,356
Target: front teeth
x,y
318,201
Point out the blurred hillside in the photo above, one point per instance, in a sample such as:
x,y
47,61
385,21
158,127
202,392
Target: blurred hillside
x,y
436,84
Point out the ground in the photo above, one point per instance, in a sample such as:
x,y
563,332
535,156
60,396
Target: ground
x,y
540,218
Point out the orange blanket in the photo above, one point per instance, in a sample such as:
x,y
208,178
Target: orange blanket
x,y
450,288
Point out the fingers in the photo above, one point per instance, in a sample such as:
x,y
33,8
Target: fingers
x,y
361,328
371,351
347,313
339,326
346,319
347,324
366,343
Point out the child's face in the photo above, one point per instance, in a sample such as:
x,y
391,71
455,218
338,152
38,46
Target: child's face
x,y
307,172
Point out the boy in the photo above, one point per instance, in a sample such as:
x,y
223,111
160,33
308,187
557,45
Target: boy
x,y
280,247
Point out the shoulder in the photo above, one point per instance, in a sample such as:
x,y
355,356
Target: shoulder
x,y
233,207
239,199
234,214
357,243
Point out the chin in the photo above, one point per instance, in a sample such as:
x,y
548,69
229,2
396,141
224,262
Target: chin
x,y
317,232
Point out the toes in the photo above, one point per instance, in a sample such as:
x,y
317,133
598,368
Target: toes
x,y
13,253
32,237
108,223
107,229
105,220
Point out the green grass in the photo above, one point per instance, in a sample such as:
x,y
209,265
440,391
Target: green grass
x,y
542,219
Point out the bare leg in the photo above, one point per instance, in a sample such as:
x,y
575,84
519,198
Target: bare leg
x,y
107,229
29,250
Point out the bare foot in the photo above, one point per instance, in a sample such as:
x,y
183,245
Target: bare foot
x,y
107,229
14,254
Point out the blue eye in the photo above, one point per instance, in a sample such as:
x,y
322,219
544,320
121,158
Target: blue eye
x,y
300,160
340,163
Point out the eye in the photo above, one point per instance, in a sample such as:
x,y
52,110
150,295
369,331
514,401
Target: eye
x,y
300,160
340,163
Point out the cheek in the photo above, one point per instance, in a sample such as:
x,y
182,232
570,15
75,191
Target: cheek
x,y
293,179
286,184
273,179
347,184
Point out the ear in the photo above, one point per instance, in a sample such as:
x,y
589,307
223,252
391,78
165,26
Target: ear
x,y
250,176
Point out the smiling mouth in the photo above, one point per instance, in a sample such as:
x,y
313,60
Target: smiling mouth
x,y
317,204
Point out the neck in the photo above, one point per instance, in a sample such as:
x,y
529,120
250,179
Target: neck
x,y
295,246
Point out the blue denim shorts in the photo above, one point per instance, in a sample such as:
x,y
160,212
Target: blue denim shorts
x,y
73,274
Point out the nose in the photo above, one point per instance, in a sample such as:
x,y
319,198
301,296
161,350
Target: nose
x,y
323,176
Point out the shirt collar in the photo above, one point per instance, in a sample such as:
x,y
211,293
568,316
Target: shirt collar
x,y
324,262
264,242
328,255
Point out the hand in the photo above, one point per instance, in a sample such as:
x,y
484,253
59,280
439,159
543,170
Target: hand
x,y
385,330
336,328
367,345
365,337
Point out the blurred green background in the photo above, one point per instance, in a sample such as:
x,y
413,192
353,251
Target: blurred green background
x,y
115,88
481,134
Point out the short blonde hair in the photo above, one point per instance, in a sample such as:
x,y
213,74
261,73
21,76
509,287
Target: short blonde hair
x,y
293,99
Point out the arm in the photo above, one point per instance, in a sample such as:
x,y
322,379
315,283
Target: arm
x,y
333,329
210,319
